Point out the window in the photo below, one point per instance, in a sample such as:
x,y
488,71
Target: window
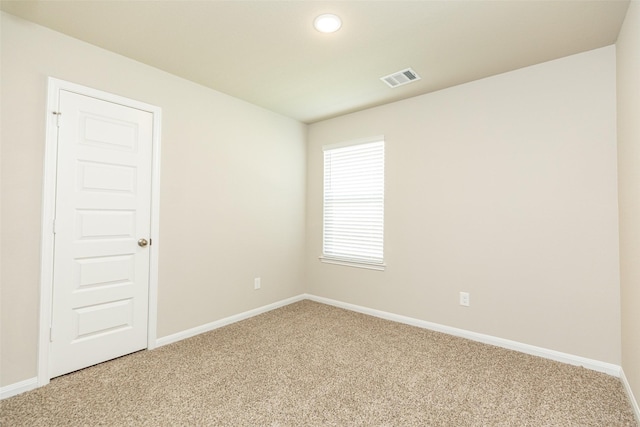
x,y
353,217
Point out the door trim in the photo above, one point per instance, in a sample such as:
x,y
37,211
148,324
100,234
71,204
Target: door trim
x,y
48,214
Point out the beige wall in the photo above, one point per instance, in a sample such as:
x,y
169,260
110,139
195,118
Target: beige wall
x,y
232,196
504,188
628,57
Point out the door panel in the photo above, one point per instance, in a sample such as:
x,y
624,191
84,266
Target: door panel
x,y
103,206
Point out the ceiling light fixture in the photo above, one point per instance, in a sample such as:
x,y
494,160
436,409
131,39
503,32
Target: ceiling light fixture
x,y
327,23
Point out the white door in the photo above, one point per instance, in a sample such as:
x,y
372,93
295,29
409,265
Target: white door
x,y
102,221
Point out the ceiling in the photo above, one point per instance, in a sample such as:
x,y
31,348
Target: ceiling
x,y
269,54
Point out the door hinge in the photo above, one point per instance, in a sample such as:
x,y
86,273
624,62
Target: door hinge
x,y
57,114
50,334
54,226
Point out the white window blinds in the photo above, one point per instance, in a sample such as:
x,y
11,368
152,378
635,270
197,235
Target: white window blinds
x,y
354,203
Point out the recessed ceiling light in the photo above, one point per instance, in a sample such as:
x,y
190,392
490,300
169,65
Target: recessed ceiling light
x,y
327,23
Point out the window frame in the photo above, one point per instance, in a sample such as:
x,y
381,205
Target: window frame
x,y
345,260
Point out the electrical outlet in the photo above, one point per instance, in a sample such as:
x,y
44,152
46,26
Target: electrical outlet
x,y
464,299
256,283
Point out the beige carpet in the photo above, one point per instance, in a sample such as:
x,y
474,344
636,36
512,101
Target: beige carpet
x,y
309,364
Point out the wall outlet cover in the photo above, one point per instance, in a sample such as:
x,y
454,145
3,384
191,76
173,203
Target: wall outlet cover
x,y
464,299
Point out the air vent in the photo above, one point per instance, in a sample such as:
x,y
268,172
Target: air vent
x,y
400,78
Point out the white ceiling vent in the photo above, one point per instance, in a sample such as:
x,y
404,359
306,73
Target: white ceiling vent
x,y
400,78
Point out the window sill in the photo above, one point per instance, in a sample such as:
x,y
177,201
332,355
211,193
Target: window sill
x,y
352,263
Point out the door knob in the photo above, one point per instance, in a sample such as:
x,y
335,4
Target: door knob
x,y
142,243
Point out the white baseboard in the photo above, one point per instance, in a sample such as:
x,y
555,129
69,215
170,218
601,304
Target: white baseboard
x,y
226,321
17,388
608,368
571,359
632,399
32,383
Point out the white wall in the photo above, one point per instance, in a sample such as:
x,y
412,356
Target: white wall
x,y
232,190
504,188
628,67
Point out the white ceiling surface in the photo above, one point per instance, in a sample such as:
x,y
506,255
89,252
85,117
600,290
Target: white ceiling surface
x,y
268,53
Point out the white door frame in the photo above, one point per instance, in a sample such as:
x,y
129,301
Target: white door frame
x,y
48,214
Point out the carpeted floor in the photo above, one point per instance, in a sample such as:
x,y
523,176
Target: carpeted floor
x,y
309,364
